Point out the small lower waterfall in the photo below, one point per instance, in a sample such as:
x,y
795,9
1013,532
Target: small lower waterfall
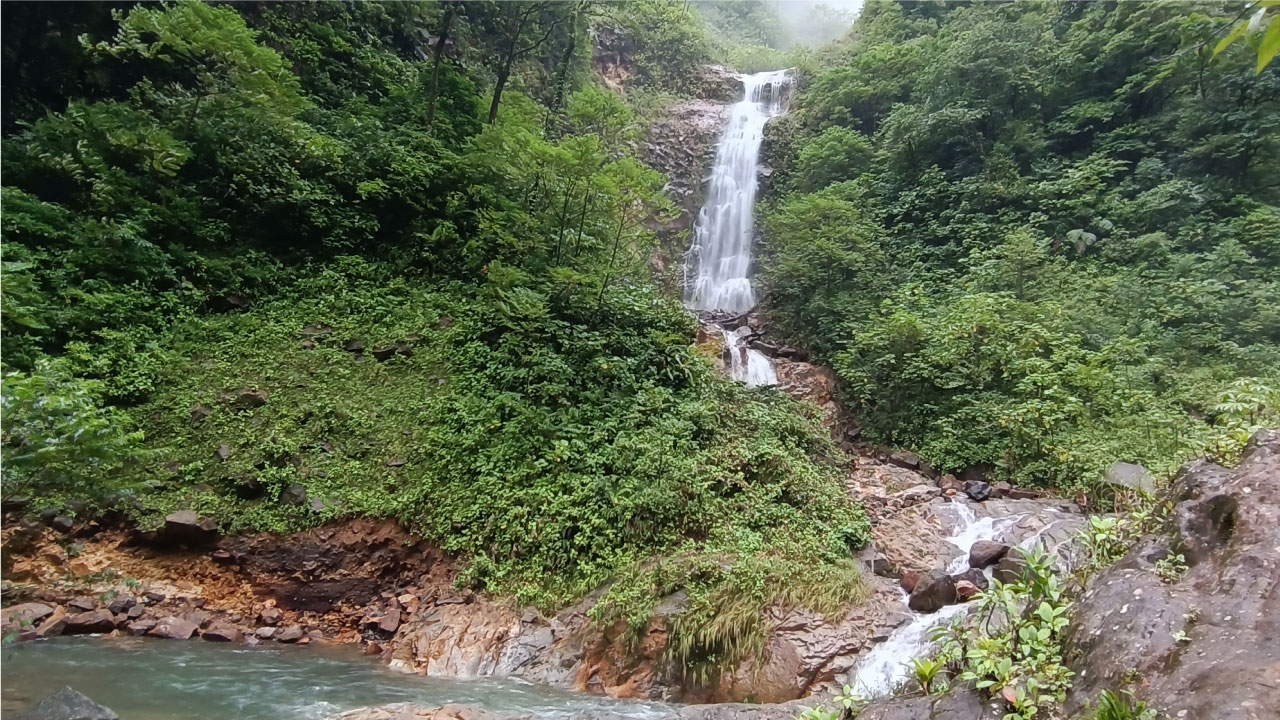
x,y
718,263
746,364
888,664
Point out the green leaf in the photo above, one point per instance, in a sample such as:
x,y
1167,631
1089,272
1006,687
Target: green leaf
x,y
1270,45
1236,33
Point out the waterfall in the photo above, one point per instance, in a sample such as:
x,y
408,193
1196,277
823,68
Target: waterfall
x,y
746,364
719,260
888,664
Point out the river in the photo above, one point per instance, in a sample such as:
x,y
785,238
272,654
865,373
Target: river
x,y
151,679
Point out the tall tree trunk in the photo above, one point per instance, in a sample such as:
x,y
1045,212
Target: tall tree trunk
x,y
503,74
437,54
562,72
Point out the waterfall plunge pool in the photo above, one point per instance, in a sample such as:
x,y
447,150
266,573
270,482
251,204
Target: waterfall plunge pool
x,y
152,679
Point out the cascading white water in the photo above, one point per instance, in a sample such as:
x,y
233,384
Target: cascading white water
x,y
888,663
745,364
718,263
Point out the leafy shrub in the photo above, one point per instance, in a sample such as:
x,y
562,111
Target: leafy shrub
x,y
59,441
1015,267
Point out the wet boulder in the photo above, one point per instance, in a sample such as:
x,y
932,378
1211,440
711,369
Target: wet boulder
x,y
92,622
977,490
986,552
122,603
1010,568
973,577
909,580
173,628
932,592
966,591
1203,641
26,615
141,626
222,632
67,704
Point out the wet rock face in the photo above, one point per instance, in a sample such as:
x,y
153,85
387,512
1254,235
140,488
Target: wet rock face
x,y
959,704
1206,646
682,145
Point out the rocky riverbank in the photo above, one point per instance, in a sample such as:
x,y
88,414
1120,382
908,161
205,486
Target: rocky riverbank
x,y
368,582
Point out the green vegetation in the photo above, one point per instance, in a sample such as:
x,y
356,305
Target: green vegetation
x,y
1122,706
1036,237
847,705
285,264
1011,646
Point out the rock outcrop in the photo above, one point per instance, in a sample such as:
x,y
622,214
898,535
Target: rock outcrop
x,y
1207,644
68,704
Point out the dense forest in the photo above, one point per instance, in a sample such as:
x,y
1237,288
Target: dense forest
x,y
286,263
1036,237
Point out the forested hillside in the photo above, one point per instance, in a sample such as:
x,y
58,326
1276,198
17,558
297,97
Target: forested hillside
x,y
286,263
1036,237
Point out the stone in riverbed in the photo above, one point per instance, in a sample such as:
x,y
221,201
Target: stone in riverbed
x,y
908,580
94,621
977,490
23,616
932,592
82,603
140,627
122,603
174,628
53,625
222,632
986,552
1009,569
67,704
973,577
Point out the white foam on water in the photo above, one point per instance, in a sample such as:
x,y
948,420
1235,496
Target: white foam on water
x,y
745,363
888,664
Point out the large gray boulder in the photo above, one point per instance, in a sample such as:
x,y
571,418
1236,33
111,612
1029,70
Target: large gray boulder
x,y
1129,475
1205,646
67,704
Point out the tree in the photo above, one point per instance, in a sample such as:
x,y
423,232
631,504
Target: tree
x,y
518,29
437,55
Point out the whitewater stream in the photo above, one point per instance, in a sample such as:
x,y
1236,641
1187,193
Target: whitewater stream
x,y
718,264
888,664
151,679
